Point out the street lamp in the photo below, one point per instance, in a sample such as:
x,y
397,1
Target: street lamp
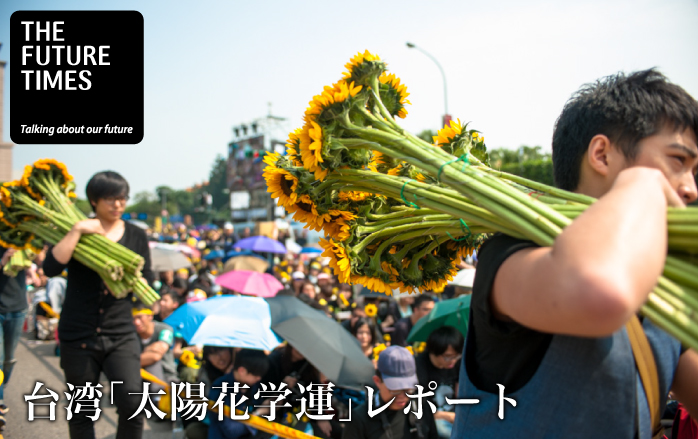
x,y
447,117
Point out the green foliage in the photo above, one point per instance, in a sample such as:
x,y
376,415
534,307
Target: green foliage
x,y
536,170
528,162
83,205
218,183
427,136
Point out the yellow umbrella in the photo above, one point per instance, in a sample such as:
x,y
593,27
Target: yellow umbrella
x,y
251,263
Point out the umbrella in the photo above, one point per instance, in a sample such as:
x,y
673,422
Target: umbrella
x,y
250,263
261,244
464,278
163,259
228,321
451,312
233,254
214,254
292,247
305,250
322,341
250,282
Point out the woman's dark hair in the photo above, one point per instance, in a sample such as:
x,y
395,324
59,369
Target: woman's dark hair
x,y
626,109
443,337
256,362
106,184
371,328
213,372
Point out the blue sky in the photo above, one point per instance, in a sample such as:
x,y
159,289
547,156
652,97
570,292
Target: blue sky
x,y
510,67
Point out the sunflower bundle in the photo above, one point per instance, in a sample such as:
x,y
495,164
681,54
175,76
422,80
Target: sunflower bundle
x,y
38,208
19,261
400,212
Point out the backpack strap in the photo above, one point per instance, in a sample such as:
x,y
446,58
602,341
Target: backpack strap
x,y
647,368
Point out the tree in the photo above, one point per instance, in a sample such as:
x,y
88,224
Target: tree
x,y
427,135
218,182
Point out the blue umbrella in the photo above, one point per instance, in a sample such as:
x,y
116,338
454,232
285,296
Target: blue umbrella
x,y
214,254
233,254
311,250
228,321
261,244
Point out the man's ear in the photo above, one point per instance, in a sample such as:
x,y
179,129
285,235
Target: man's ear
x,y
599,154
376,380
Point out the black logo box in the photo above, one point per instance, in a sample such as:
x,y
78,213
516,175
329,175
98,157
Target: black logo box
x,y
108,96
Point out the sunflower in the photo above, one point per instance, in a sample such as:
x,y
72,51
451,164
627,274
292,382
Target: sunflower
x,y
339,227
280,182
375,284
292,147
339,260
353,195
50,164
311,149
448,133
397,103
357,60
378,349
305,211
27,182
371,310
409,348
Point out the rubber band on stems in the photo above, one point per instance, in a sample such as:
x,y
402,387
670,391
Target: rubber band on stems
x,y
402,195
463,158
463,227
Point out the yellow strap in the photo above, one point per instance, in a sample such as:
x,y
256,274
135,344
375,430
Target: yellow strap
x,y
266,426
255,421
647,368
49,311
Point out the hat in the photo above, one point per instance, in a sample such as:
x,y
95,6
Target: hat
x,y
397,367
298,275
315,265
196,295
228,225
322,276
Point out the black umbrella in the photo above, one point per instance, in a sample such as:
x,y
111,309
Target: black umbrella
x,y
322,341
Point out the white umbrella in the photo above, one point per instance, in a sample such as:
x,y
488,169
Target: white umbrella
x,y
164,260
464,278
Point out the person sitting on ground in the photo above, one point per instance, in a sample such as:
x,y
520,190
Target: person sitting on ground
x,y
395,378
156,342
438,364
217,361
169,302
421,307
248,369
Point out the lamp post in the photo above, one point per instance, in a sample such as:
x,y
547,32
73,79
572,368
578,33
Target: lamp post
x,y
447,117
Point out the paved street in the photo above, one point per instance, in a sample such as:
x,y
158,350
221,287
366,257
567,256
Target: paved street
x,y
36,361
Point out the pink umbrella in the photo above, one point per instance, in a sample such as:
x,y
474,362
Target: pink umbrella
x,y
250,282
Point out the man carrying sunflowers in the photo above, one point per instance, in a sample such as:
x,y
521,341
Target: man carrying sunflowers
x,y
556,329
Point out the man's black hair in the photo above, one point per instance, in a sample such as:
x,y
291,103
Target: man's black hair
x,y
106,184
166,291
626,109
424,297
256,362
443,337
